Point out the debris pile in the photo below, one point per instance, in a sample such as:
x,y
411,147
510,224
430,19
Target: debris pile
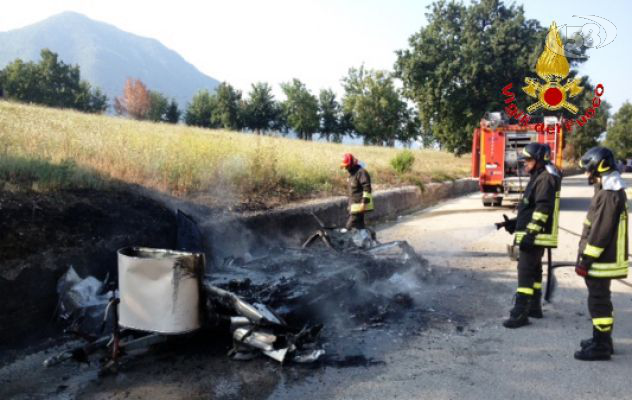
x,y
255,327
296,292
286,304
82,304
343,239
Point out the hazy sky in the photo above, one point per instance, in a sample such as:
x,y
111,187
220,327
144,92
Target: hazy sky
x,y
244,41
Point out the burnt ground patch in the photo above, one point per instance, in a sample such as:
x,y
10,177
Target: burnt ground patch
x,y
42,234
197,367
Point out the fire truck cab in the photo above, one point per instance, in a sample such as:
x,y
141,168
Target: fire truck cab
x,y
496,146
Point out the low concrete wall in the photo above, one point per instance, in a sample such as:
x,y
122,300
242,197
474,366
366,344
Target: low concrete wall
x,y
250,235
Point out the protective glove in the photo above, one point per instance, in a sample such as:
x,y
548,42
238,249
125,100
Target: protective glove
x,y
528,242
508,224
584,265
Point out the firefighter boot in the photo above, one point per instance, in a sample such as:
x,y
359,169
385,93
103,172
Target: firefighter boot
x,y
519,314
536,304
587,342
599,348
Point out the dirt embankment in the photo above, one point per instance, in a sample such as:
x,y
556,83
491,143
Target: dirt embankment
x,y
42,234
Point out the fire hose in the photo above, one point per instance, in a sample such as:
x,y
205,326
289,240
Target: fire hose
x,y
551,282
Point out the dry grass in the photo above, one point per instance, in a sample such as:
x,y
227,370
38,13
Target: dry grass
x,y
48,148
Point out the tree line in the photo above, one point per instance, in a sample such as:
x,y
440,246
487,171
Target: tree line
x,y
372,108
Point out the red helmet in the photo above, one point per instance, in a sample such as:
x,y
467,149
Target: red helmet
x,y
348,160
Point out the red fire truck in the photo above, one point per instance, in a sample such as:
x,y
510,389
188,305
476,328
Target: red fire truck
x,y
496,147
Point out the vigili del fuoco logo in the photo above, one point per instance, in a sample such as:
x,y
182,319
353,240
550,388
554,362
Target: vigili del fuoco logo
x,y
550,91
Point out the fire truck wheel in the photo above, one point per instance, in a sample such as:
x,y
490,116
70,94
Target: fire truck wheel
x,y
498,202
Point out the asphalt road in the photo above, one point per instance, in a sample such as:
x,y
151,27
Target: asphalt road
x,y
451,346
483,360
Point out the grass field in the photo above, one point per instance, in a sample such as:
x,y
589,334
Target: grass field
x,y
48,149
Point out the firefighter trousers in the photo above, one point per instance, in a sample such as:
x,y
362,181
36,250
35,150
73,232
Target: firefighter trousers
x,y
599,302
530,267
355,221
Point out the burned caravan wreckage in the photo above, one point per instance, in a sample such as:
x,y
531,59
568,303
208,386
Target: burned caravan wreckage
x,y
283,305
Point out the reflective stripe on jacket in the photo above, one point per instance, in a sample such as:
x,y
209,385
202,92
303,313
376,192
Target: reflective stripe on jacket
x,y
539,210
359,185
605,235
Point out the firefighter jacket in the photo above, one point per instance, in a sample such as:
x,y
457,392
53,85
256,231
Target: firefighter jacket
x,y
539,209
360,197
605,234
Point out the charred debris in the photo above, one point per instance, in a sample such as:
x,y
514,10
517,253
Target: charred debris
x,y
283,305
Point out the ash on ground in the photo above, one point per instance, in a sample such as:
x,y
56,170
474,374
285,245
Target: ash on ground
x,y
292,302
352,283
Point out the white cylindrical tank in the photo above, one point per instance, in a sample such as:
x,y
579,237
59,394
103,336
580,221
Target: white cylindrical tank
x,y
159,289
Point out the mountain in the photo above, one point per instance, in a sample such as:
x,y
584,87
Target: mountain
x,y
106,55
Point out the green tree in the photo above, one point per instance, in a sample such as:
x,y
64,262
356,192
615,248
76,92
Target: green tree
x,y
90,100
580,139
226,113
345,126
260,110
173,113
330,115
619,137
200,110
412,127
59,82
300,109
20,81
158,107
378,112
279,122
50,82
458,63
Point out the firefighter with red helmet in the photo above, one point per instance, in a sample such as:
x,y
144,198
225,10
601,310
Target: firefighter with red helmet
x,y
535,228
359,188
603,248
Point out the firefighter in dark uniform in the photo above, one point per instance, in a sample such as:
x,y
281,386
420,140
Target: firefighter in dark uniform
x,y
359,187
535,228
603,248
